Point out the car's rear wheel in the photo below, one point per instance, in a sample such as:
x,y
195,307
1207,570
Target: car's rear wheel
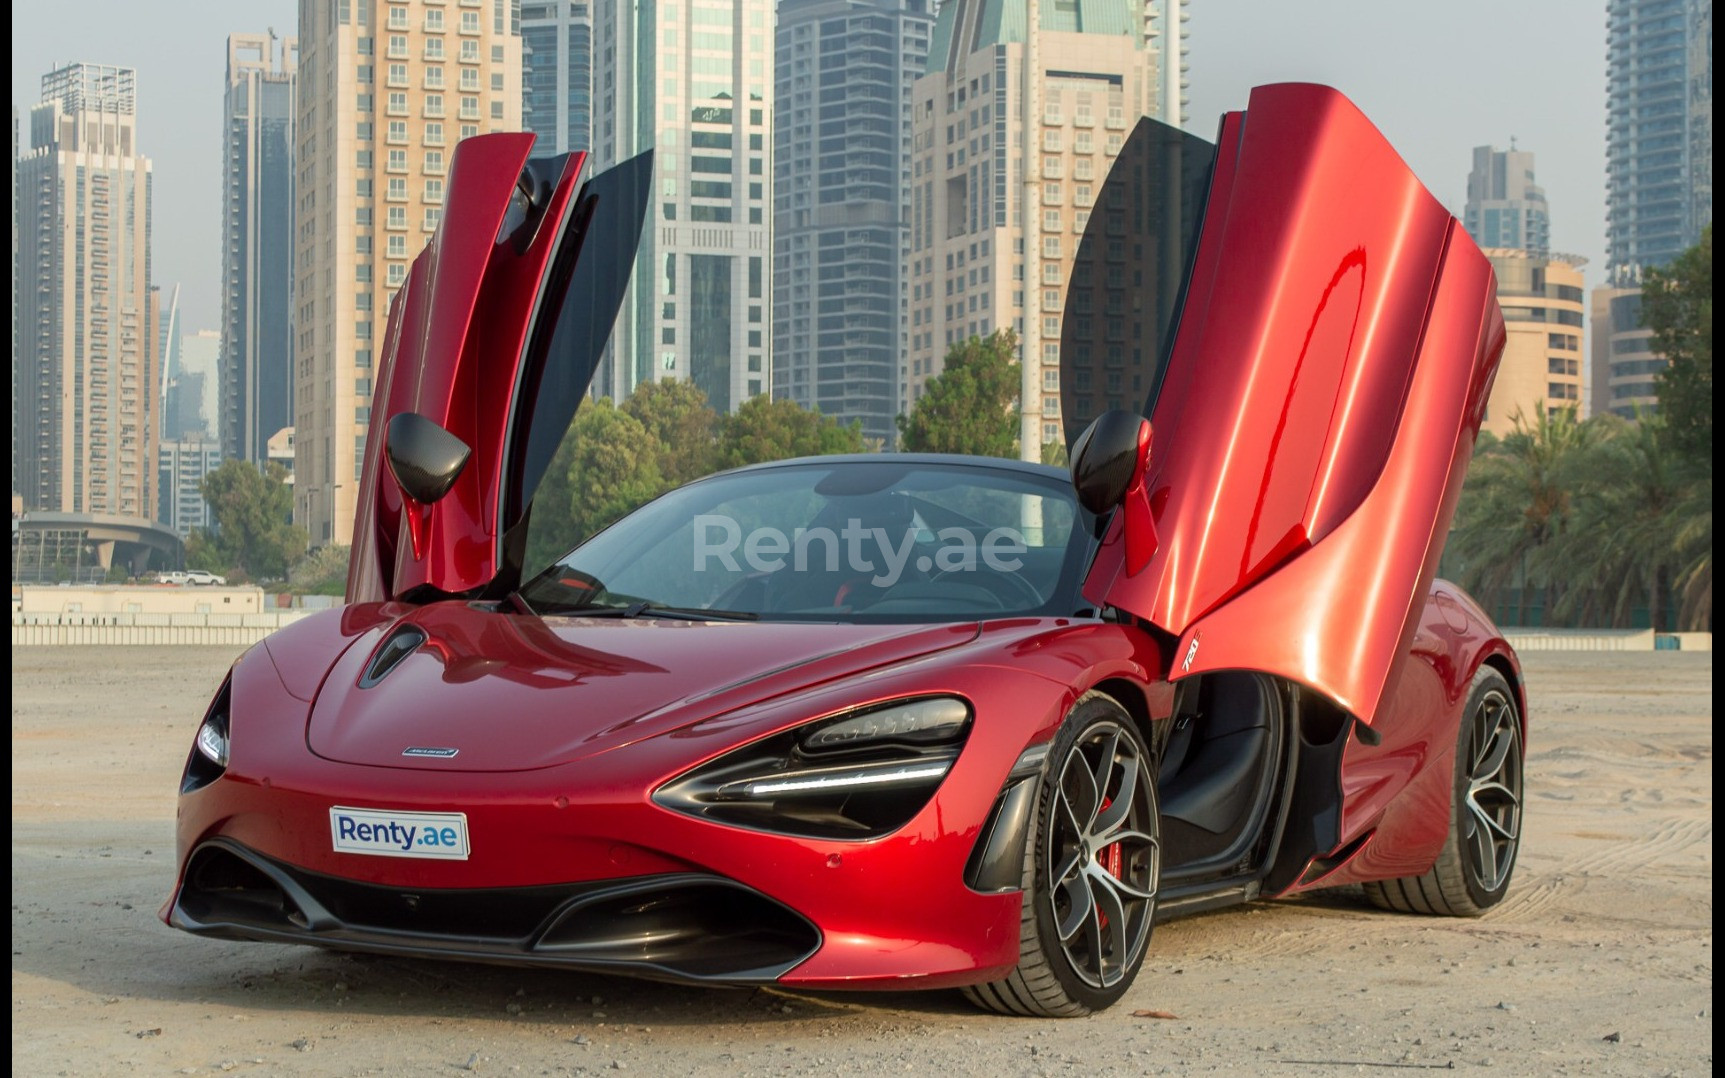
x,y
1090,873
1473,870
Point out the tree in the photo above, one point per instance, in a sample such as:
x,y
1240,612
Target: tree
x,y
321,572
969,406
1617,551
1677,305
254,530
678,416
1515,503
764,429
613,468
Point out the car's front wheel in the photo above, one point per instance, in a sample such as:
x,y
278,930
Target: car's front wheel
x,y
1473,869
1090,874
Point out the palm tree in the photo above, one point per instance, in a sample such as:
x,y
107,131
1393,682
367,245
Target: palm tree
x,y
1516,503
1619,549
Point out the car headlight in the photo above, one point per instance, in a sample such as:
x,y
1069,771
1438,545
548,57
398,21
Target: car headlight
x,y
858,774
209,756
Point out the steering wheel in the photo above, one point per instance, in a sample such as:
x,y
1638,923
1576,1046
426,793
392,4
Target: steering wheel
x,y
999,583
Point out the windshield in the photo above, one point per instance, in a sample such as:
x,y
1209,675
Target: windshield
x,y
852,540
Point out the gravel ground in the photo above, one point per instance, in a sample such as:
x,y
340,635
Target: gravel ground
x,y
1599,963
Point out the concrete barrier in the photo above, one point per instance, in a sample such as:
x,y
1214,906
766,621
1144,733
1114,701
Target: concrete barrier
x,y
1606,640
114,630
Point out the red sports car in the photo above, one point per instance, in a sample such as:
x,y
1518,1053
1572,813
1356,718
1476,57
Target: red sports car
x,y
898,720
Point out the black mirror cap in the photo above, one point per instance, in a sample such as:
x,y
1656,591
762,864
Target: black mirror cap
x,y
1106,459
425,459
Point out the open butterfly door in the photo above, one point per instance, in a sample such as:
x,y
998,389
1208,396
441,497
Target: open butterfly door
x,y
490,347
1330,338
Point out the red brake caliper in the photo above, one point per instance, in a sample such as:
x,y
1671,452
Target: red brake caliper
x,y
1112,861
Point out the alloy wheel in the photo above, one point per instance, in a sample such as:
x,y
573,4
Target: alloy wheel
x,y
1491,825
1102,855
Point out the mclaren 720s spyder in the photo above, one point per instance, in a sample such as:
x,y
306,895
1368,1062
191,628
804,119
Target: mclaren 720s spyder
x,y
897,720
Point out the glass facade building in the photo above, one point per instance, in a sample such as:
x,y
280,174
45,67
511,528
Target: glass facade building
x,y
257,354
843,71
689,80
557,75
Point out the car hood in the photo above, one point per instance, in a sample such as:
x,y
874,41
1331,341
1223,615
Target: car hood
x,y
515,693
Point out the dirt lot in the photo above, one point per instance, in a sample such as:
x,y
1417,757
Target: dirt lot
x,y
1601,961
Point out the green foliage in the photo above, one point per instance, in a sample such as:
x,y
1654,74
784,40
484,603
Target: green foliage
x,y
1595,520
614,460
1677,305
969,406
613,469
1516,503
764,429
1054,453
321,572
678,416
254,534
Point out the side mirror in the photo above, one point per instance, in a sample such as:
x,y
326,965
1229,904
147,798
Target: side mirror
x,y
1109,462
425,459
1111,453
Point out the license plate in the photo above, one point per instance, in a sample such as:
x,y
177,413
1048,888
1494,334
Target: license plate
x,y
387,833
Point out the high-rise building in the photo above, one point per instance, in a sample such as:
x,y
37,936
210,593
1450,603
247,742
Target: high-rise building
x,y
1659,180
167,344
87,379
15,303
193,399
1544,309
385,89
557,74
1659,191
1505,208
256,384
690,79
183,464
1098,74
1624,367
841,202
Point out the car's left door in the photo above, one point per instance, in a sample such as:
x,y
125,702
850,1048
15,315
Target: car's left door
x,y
494,336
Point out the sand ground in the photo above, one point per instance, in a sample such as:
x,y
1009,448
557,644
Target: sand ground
x,y
1600,962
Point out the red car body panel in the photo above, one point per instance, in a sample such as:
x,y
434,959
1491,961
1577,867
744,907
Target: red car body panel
x,y
592,818
1336,346
1324,388
454,352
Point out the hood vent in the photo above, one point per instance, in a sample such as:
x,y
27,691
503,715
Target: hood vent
x,y
397,646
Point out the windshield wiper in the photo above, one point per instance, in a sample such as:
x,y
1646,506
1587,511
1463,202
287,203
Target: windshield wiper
x,y
656,610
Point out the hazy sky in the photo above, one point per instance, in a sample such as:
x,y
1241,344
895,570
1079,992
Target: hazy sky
x,y
1437,78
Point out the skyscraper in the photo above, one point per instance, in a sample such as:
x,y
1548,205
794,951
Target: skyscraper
x,y
689,78
968,257
193,408
182,465
385,89
557,74
1505,208
841,202
87,396
257,376
1659,179
1660,126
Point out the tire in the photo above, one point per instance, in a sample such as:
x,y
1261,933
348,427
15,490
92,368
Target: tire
x,y
1092,870
1472,872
